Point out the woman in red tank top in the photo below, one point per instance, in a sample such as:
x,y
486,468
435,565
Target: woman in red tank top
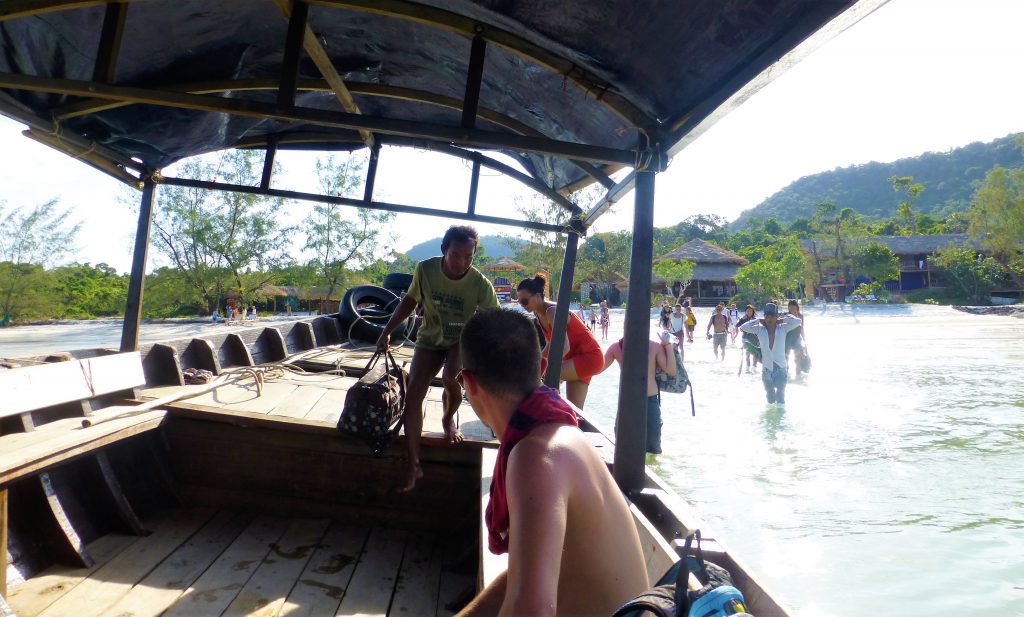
x,y
583,357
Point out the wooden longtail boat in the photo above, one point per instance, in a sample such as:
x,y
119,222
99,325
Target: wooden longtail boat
x,y
117,497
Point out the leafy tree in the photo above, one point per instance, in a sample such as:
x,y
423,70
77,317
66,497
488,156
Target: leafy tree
x,y
376,270
221,241
170,293
88,291
30,240
972,277
996,217
877,261
781,269
673,271
905,209
711,227
605,256
835,231
341,241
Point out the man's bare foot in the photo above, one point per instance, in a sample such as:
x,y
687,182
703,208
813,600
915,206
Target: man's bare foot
x,y
451,432
415,473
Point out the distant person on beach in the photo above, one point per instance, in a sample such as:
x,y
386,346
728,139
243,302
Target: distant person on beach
x,y
771,334
677,323
734,318
581,356
554,507
720,323
666,312
691,322
606,320
450,290
593,319
583,315
658,357
751,346
796,340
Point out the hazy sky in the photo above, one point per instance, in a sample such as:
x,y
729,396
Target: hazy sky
x,y
915,76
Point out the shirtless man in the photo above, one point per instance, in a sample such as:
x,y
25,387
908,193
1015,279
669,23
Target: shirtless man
x,y
572,545
720,323
450,290
657,357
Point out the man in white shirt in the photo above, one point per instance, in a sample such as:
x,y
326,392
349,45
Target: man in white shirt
x,y
771,333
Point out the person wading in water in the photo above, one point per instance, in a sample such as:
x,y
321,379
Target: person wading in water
x,y
771,333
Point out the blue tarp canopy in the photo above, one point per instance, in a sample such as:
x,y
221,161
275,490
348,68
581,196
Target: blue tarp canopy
x,y
144,83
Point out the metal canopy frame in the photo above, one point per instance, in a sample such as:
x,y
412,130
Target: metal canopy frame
x,y
660,139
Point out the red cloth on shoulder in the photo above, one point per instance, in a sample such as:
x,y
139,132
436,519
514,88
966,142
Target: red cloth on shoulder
x,y
544,406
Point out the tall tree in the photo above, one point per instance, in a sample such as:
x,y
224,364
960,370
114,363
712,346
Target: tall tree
x,y
877,261
905,209
342,240
30,240
543,251
221,241
996,217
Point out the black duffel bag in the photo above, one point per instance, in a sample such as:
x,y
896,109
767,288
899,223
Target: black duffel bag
x,y
374,405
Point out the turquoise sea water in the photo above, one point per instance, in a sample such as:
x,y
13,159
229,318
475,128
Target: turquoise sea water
x,y
892,483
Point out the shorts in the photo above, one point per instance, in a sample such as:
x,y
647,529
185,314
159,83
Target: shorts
x,y
588,364
720,339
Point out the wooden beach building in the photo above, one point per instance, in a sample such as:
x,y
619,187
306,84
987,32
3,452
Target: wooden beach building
x,y
714,272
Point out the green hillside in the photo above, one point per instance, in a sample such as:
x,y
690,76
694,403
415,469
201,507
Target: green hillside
x,y
949,179
494,247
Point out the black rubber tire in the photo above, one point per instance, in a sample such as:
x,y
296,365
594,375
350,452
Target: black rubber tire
x,y
397,282
365,310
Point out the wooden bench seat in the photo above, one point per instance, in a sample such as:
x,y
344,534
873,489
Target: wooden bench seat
x,y
23,454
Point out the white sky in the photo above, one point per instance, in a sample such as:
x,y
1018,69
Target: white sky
x,y
915,76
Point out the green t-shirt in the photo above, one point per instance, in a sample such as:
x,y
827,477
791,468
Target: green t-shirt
x,y
447,304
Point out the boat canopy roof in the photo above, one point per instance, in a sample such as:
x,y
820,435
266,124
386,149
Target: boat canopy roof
x,y
573,90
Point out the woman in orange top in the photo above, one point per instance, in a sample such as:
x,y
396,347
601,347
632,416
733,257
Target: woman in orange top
x,y
583,357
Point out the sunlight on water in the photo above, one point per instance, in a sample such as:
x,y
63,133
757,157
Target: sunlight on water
x,y
893,481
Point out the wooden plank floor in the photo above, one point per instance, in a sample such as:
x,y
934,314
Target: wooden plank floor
x,y
204,562
315,397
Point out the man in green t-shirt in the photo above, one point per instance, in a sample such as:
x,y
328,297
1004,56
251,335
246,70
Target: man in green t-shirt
x,y
450,290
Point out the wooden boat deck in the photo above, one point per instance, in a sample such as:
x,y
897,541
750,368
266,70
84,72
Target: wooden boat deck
x,y
202,561
315,397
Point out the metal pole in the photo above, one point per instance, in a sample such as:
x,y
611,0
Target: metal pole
x,y
631,424
557,345
133,308
371,172
474,186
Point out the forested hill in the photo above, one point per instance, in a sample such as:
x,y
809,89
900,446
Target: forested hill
x,y
949,180
494,247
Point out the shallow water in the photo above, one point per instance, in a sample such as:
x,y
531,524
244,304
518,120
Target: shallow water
x,y
891,484
893,481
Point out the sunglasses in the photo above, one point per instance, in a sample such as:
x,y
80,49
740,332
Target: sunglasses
x,y
459,378
525,301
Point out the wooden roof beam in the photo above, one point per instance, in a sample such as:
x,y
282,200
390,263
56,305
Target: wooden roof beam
x,y
325,65
240,107
12,108
87,156
95,105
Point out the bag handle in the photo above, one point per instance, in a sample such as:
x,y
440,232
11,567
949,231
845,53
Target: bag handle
x,y
683,576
